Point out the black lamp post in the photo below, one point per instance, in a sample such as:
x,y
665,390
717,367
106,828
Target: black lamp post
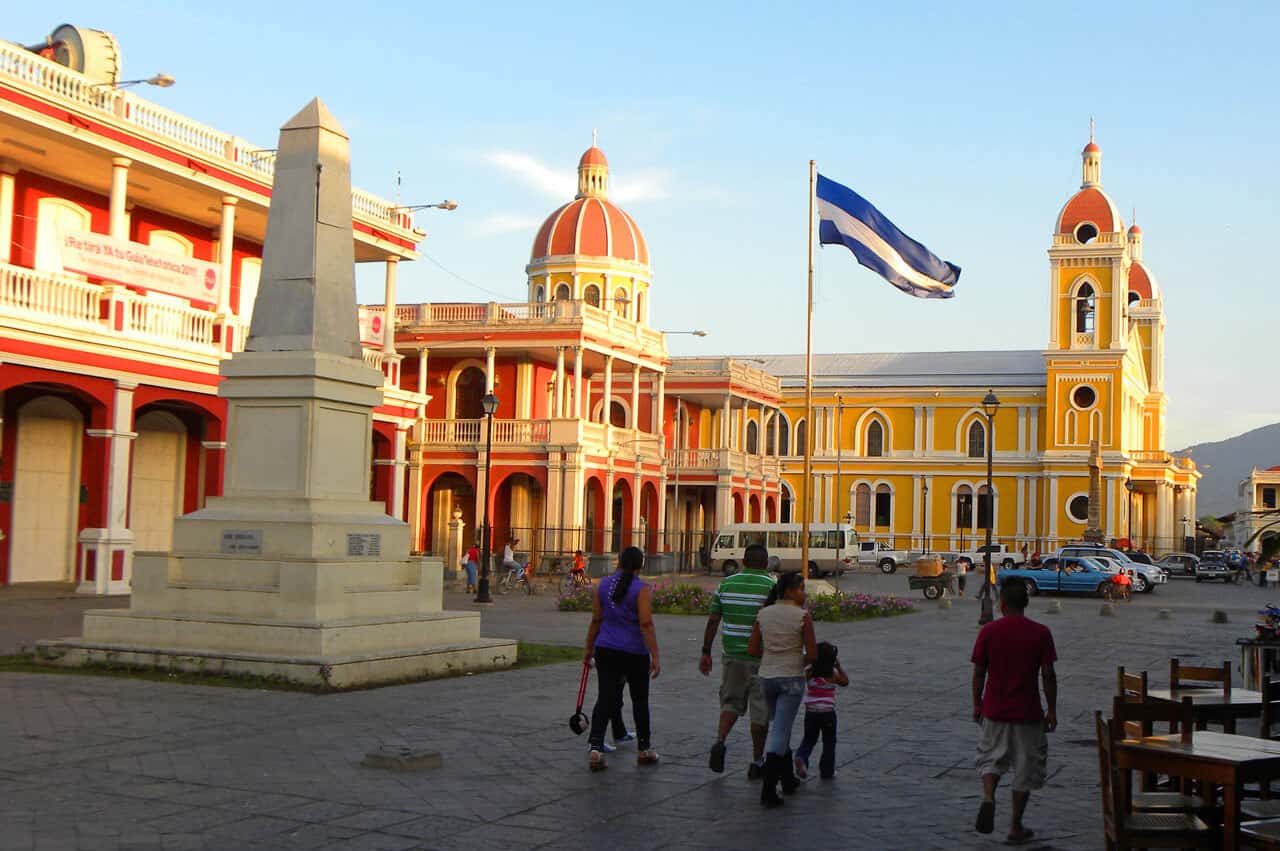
x,y
1128,485
990,404
490,405
924,513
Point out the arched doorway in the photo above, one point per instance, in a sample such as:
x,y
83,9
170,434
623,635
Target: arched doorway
x,y
159,467
593,516
648,536
46,489
737,508
786,508
753,508
449,491
620,507
468,391
770,510
518,511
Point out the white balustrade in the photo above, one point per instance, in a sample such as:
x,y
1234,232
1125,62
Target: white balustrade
x,y
171,324
472,432
68,301
373,357
58,83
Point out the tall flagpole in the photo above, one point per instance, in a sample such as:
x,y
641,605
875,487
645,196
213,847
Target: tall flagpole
x,y
807,489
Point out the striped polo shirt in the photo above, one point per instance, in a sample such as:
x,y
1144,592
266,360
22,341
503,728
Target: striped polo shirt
x,y
737,601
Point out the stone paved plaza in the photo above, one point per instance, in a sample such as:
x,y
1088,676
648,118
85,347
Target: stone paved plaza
x,y
112,763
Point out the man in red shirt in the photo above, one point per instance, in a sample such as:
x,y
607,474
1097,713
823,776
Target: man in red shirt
x,y
1009,655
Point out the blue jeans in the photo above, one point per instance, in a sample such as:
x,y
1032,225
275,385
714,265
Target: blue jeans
x,y
783,694
471,573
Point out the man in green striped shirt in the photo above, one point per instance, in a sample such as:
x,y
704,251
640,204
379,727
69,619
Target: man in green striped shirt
x,y
733,610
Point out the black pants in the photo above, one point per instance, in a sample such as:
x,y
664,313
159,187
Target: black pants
x,y
614,669
824,723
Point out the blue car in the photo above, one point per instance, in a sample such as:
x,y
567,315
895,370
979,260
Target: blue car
x,y
1070,575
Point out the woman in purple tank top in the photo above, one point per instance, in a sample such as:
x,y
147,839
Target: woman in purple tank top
x,y
624,646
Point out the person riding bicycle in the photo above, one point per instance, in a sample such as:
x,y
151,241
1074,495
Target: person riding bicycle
x,y
579,569
509,557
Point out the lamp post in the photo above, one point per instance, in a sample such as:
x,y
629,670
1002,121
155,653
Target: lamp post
x,y
162,81
1128,486
490,405
990,404
924,513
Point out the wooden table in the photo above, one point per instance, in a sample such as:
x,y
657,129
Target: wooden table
x,y
1215,758
1212,706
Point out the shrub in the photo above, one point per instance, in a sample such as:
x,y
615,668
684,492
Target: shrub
x,y
693,600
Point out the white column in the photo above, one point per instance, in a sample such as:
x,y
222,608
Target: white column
x,y
928,429
1051,507
917,508
1022,519
577,382
1035,529
389,307
607,394
400,461
761,439
724,424
1054,304
118,222
119,437
742,427
1119,333
660,407
635,410
1022,430
1110,518
422,371
489,354
226,240
557,401
7,171
1033,432
917,440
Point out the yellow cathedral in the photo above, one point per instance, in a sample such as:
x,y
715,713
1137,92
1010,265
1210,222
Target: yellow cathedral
x,y
900,439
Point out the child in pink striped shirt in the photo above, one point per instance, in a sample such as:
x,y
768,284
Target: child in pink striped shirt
x,y
820,711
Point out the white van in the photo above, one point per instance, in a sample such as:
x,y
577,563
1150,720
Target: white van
x,y
831,546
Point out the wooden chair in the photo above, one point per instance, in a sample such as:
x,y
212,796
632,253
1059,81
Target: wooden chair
x,y
1191,676
1269,728
1133,689
1124,829
1143,717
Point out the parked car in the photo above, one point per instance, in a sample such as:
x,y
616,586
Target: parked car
x,y
1145,576
881,555
1214,565
1139,556
1182,564
1068,574
1002,555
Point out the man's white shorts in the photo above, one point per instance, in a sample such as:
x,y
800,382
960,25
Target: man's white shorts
x,y
1021,746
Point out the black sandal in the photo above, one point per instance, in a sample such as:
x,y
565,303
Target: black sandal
x,y
986,817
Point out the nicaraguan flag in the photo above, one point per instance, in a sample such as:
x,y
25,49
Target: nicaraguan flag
x,y
849,219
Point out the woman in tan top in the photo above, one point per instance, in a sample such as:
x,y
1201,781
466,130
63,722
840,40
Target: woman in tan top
x,y
783,637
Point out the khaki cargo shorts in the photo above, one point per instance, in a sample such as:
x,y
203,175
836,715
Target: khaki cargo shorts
x,y
741,692
1022,747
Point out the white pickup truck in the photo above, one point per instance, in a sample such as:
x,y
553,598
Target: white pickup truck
x,y
1002,556
881,555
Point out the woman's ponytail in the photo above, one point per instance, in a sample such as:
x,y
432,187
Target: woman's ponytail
x,y
629,562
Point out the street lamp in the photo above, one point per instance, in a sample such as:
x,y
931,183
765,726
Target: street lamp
x,y
924,500
490,405
698,333
990,404
163,81
439,205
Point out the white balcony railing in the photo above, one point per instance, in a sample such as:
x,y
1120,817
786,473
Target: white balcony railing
x,y
472,432
58,83
575,313
39,296
694,459
170,324
374,357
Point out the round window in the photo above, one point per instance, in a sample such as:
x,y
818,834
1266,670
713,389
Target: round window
x,y
1078,508
1086,233
1084,396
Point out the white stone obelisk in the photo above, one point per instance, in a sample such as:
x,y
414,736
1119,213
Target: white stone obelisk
x,y
295,571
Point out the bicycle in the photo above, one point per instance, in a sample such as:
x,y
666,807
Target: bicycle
x,y
516,575
573,581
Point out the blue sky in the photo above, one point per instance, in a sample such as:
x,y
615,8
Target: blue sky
x,y
963,122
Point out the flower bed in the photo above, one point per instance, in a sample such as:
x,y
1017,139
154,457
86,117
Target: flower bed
x,y
693,600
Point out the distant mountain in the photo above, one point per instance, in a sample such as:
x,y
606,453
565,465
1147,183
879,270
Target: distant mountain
x,y
1229,461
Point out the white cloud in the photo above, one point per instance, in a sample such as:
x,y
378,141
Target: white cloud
x,y
558,185
499,223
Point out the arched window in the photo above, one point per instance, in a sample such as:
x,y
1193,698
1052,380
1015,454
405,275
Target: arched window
x,y
784,437
875,439
1133,296
620,301
862,505
56,216
563,293
173,243
801,433
639,314
468,392
884,506
771,437
977,440
617,414
1085,311
753,438
591,295
540,294
984,507
964,507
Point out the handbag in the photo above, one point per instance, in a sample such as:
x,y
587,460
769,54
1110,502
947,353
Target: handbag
x,y
578,721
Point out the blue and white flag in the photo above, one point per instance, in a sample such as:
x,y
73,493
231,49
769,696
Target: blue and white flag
x,y
849,219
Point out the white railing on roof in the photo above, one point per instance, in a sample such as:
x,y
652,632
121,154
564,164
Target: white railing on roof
x,y
514,313
59,83
41,296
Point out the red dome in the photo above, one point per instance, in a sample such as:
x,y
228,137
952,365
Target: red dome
x,y
592,227
1272,470
1140,281
1089,205
593,156
1135,229
1092,148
